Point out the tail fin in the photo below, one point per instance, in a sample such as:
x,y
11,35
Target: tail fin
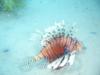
x,y
28,63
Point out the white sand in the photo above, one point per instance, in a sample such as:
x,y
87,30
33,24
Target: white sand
x,y
16,31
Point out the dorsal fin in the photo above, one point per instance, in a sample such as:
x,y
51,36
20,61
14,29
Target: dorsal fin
x,y
58,30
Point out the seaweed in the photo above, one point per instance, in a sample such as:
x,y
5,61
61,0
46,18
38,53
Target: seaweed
x,y
11,5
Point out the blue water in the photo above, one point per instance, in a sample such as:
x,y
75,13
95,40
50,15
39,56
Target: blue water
x,y
16,31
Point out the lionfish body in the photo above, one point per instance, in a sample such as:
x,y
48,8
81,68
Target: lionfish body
x,y
55,47
58,47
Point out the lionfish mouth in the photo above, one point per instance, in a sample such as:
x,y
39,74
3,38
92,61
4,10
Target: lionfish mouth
x,y
57,42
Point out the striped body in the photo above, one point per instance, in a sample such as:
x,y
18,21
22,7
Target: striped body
x,y
55,48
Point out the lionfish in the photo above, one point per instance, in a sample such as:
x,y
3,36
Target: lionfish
x,y
56,43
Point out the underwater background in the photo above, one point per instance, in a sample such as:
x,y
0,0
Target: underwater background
x,y
20,34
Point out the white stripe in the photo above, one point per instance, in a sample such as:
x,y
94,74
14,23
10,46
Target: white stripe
x,y
60,62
